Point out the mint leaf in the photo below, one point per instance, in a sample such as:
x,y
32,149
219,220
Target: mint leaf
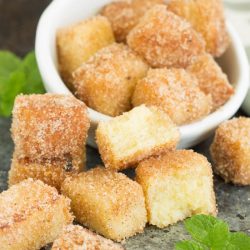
x,y
189,245
8,63
17,77
238,241
199,226
12,87
210,233
34,82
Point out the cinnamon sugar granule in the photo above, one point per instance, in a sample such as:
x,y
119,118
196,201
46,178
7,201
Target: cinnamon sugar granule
x,y
125,14
49,126
32,214
164,39
107,80
230,151
176,92
107,202
76,237
207,17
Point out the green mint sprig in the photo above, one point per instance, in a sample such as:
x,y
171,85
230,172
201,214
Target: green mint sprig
x,y
17,76
210,233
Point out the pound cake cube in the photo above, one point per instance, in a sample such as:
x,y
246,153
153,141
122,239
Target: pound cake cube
x,y
230,151
107,80
78,42
52,172
136,135
107,202
125,14
207,17
212,81
164,39
76,237
50,126
176,92
176,185
32,214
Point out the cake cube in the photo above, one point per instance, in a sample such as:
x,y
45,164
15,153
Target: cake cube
x,y
76,237
107,80
165,39
176,185
207,17
52,172
176,92
230,151
125,14
77,42
50,126
134,136
212,81
32,214
107,202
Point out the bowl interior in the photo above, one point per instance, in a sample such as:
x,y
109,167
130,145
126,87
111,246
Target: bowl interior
x,y
61,13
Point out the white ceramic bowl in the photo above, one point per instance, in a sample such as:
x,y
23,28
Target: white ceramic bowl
x,y
64,12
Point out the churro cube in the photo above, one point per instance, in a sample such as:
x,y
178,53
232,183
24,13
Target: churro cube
x,y
32,214
76,43
207,17
176,185
76,237
52,172
164,39
107,80
176,92
138,134
125,14
211,79
50,126
230,151
107,202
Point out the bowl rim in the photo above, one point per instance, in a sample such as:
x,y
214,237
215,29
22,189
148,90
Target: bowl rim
x,y
54,84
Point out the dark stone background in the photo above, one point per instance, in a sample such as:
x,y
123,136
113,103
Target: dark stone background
x,y
18,20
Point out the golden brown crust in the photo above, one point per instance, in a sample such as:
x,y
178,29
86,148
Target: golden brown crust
x,y
176,92
75,237
49,126
125,14
107,80
207,17
52,172
174,46
32,214
230,151
211,79
107,202
166,168
76,43
106,132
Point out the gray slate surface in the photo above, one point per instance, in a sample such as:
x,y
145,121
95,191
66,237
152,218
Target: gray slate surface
x,y
233,202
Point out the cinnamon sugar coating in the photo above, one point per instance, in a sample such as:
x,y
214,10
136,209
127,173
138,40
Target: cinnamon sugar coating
x,y
107,202
230,151
49,126
125,14
207,17
212,80
32,214
176,92
78,42
107,80
75,237
164,39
